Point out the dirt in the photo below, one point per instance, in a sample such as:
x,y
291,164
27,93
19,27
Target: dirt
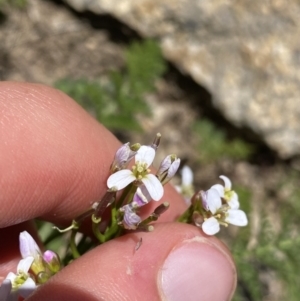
x,y
47,41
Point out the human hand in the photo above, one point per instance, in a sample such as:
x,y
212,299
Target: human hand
x,y
54,163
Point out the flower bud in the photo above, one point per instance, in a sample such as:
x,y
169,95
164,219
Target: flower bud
x,y
156,141
130,219
52,260
168,168
123,155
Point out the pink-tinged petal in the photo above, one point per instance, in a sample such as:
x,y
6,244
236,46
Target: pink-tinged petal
x,y
219,188
5,289
28,246
153,186
213,200
164,165
27,288
120,179
211,226
141,197
25,264
145,154
173,168
204,199
123,155
227,182
234,201
237,217
187,176
130,219
49,255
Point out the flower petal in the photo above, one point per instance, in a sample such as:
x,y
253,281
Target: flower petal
x,y
213,200
130,219
219,188
164,165
27,288
120,179
141,197
153,186
28,246
236,217
173,168
187,176
204,199
123,155
227,182
234,201
211,226
145,154
24,264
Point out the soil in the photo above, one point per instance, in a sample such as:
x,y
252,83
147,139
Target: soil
x,y
47,41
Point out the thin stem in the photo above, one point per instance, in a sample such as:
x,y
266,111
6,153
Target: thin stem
x,y
73,246
73,226
113,229
97,233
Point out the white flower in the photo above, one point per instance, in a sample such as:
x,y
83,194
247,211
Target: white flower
x,y
225,192
29,248
187,176
219,214
22,283
186,188
140,173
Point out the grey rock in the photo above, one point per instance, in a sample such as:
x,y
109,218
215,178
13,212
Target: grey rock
x,y
245,53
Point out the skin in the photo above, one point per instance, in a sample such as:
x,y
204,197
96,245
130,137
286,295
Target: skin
x,y
54,161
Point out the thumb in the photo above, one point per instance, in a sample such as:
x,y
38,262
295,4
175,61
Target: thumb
x,y
175,262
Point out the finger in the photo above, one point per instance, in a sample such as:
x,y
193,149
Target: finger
x,y
54,158
174,262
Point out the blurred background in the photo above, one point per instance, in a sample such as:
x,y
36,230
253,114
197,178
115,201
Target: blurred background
x,y
219,79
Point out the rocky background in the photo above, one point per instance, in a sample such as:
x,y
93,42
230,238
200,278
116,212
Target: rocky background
x,y
246,54
233,62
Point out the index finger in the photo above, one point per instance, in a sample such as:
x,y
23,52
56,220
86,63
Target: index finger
x,y
54,157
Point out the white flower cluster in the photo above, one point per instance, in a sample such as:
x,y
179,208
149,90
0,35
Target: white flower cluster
x,y
144,185
217,206
33,269
221,207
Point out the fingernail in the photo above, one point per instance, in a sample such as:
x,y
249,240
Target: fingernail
x,y
197,270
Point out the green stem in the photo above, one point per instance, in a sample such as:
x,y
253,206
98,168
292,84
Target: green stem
x,y
73,246
186,216
114,227
97,233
